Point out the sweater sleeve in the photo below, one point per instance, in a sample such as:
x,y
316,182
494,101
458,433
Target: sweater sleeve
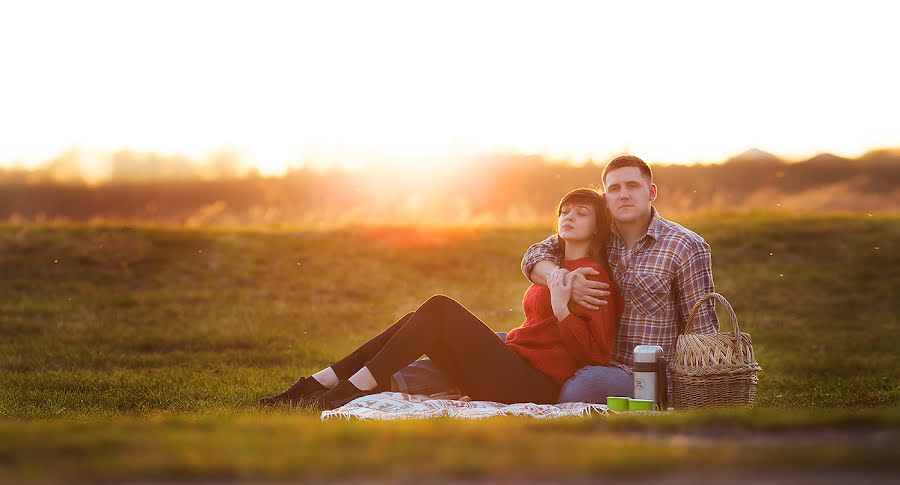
x,y
589,335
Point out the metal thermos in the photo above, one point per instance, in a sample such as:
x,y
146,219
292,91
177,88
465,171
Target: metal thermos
x,y
650,382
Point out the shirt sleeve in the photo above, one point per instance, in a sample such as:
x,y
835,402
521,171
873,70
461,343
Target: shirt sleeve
x,y
589,335
694,280
546,250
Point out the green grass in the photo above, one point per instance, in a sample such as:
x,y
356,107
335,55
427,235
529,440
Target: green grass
x,y
285,446
140,352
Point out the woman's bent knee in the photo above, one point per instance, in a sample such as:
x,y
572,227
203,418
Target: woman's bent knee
x,y
440,303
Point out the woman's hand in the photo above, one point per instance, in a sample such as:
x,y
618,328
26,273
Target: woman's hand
x,y
560,291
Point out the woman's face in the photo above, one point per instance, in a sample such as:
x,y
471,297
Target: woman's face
x,y
577,221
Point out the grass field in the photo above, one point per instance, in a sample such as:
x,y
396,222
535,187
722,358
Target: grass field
x,y
139,352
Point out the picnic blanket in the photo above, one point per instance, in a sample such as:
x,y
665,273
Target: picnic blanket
x,y
397,405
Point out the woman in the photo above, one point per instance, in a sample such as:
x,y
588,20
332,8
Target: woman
x,y
555,340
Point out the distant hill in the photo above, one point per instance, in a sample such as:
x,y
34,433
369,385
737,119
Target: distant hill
x,y
756,156
826,159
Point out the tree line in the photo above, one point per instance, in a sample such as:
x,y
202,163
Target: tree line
x,y
490,189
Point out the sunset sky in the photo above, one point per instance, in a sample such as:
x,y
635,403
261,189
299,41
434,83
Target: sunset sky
x,y
287,83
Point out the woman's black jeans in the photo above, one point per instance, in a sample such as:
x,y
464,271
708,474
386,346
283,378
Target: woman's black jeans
x,y
461,345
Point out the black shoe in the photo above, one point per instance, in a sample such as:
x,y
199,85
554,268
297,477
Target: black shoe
x,y
298,394
338,395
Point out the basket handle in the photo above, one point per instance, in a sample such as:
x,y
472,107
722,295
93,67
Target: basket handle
x,y
724,302
731,315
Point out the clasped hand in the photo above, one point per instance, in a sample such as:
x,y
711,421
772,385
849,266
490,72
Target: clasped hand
x,y
560,291
575,286
587,293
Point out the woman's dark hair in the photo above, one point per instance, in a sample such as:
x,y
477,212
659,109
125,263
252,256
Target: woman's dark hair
x,y
597,250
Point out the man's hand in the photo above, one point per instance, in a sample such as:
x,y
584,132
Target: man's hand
x,y
587,293
560,291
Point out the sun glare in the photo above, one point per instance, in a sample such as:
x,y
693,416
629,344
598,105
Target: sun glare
x,y
291,84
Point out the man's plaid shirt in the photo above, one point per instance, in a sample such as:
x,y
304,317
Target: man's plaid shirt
x,y
661,278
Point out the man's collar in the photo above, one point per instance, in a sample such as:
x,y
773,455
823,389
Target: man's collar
x,y
655,223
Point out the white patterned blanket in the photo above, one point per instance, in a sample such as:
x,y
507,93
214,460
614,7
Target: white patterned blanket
x,y
396,405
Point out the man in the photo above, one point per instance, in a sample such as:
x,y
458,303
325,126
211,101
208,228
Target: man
x,y
661,269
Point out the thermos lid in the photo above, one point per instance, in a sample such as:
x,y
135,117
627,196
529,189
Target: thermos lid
x,y
646,353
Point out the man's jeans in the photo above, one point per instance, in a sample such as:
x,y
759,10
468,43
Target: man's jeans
x,y
590,384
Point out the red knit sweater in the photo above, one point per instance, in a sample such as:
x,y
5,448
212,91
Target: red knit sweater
x,y
559,348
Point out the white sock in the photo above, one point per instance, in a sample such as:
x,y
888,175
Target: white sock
x,y
326,377
363,380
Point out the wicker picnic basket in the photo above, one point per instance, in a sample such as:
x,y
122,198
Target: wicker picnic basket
x,y
713,369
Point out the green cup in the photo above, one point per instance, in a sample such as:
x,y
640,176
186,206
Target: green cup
x,y
642,405
617,403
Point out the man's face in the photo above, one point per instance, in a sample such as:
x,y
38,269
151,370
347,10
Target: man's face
x,y
628,194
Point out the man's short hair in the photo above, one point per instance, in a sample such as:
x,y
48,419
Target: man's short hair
x,y
627,161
